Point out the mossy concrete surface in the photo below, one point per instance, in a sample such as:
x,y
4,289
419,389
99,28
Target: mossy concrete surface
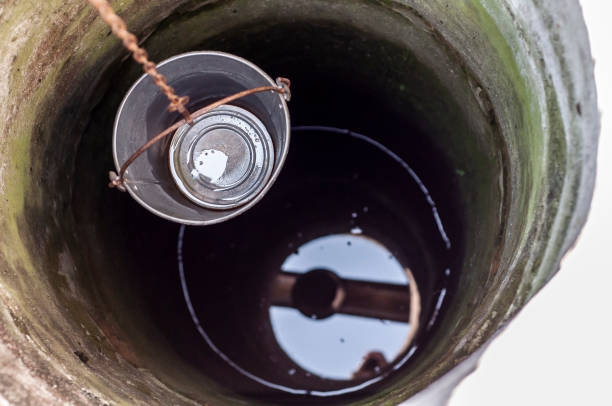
x,y
521,72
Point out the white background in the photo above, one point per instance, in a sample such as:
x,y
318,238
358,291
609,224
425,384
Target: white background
x,y
558,351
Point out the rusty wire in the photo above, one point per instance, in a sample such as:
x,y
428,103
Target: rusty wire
x,y
117,181
177,103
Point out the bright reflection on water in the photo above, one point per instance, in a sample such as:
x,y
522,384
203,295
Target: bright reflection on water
x,y
336,347
348,256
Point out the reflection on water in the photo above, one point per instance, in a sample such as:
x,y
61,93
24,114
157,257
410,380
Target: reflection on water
x,y
348,340
350,257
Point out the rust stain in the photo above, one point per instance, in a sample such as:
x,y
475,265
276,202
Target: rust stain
x,y
118,341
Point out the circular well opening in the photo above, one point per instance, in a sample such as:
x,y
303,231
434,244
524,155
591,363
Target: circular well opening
x,y
394,142
365,155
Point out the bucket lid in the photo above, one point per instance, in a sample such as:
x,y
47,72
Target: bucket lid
x,y
223,160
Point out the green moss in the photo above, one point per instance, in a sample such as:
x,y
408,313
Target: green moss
x,y
529,135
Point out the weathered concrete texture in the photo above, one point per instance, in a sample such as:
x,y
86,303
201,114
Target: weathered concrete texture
x,y
520,69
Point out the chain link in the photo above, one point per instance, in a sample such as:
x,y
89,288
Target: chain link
x,y
177,103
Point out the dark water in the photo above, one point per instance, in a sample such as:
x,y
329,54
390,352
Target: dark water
x,y
261,291
342,205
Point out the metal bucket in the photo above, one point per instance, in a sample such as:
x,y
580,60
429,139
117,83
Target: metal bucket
x,y
178,180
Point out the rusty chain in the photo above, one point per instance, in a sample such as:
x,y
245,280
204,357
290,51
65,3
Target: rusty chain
x,y
177,103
